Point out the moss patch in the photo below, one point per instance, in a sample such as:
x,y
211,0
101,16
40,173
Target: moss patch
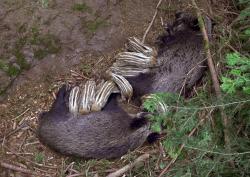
x,y
21,61
48,44
41,44
3,65
40,54
93,25
81,7
11,70
34,36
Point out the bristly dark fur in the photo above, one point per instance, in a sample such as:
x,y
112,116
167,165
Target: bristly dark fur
x,y
153,137
60,98
104,134
180,59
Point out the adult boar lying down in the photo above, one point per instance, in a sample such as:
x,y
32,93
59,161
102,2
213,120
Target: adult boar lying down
x,y
112,132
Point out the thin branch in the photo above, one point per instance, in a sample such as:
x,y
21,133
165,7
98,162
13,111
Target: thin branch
x,y
152,21
165,170
220,153
208,52
188,74
126,168
209,107
213,73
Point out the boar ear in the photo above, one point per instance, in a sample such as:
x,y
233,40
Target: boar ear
x,y
61,92
138,122
153,137
60,98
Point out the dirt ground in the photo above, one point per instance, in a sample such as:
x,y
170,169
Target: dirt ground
x,y
41,41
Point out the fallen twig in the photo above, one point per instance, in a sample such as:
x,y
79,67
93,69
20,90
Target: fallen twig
x,y
70,166
11,133
76,74
21,114
207,50
152,21
28,160
20,153
18,169
124,169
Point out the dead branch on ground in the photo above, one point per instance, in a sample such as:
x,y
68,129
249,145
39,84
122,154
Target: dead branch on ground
x,y
17,169
152,21
126,168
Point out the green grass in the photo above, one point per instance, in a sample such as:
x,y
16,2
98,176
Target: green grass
x,y
39,157
11,70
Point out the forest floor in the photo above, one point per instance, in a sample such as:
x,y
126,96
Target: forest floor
x,y
41,41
